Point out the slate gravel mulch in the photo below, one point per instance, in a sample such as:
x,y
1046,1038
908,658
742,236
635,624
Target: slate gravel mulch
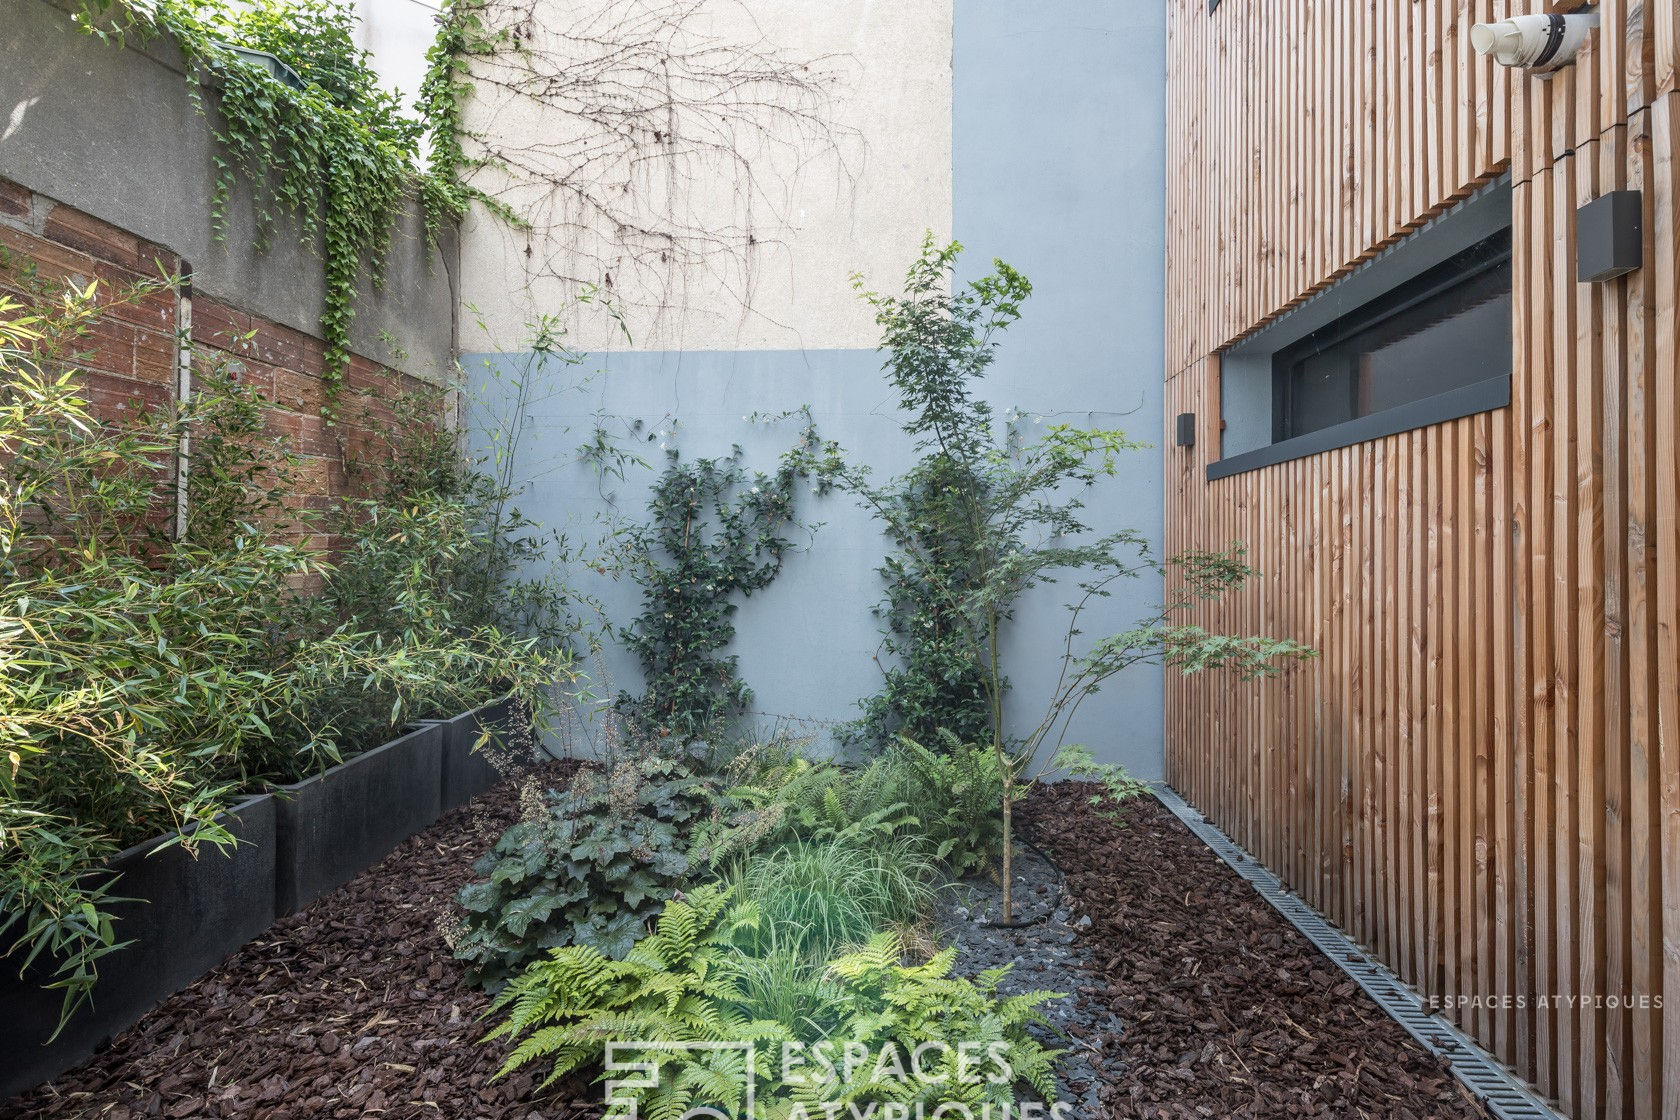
x,y
354,1007
1045,951
1227,1010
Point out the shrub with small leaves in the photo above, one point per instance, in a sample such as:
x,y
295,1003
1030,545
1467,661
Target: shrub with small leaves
x,y
586,866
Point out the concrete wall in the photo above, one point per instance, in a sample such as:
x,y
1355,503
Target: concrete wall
x,y
1059,141
398,33
115,134
750,247
1047,127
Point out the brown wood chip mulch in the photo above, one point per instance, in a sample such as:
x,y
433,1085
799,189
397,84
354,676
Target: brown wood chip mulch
x,y
355,1007
1229,1011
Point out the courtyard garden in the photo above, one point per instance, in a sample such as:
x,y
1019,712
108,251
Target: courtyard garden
x,y
295,816
922,923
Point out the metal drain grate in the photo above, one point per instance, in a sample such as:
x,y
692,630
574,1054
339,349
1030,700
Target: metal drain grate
x,y
1506,1095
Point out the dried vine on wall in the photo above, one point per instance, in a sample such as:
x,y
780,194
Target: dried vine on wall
x,y
640,146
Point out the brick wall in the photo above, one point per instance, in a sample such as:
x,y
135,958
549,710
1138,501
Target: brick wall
x,y
131,360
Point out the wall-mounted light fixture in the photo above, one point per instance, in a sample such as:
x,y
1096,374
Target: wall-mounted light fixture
x,y
1187,429
281,72
1609,236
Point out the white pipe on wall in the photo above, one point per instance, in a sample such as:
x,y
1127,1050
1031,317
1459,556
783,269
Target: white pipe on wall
x,y
1538,43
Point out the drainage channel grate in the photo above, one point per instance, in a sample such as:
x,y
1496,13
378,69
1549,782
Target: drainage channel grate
x,y
1505,1095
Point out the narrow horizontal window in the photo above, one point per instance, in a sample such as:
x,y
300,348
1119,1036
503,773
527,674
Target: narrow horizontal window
x,y
1445,329
1419,335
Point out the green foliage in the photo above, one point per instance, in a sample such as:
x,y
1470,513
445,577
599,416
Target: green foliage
x,y
462,35
820,896
138,683
587,866
337,156
715,532
676,985
436,539
888,1004
689,982
985,518
796,800
958,794
147,680
978,521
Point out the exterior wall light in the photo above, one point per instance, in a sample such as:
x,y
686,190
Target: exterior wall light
x,y
1187,429
262,60
1609,236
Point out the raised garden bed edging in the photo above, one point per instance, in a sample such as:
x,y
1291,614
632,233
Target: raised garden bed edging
x,y
186,917
190,915
331,827
468,772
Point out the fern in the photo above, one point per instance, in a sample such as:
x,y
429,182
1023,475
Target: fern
x,y
889,1004
959,794
691,980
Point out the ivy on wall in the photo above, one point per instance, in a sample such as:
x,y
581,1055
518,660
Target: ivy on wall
x,y
316,138
716,532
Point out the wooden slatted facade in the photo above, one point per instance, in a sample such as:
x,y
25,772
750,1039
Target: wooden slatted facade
x,y
1480,776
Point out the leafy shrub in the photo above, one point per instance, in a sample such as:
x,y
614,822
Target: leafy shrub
x,y
676,985
147,680
716,531
436,538
688,982
141,679
799,800
987,516
930,681
587,866
885,1003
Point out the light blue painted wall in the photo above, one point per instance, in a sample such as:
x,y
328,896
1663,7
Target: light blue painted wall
x,y
806,643
1059,169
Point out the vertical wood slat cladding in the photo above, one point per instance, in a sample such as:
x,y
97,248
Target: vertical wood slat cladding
x,y
1480,775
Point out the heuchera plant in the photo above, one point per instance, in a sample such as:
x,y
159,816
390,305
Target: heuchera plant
x,y
588,866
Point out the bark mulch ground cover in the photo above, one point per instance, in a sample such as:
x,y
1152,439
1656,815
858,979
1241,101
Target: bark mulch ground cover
x,y
354,1007
1227,1010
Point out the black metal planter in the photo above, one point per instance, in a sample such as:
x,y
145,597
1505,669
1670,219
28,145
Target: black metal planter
x,y
468,772
294,846
189,916
331,827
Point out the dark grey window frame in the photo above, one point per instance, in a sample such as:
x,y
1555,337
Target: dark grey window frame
x,y
1483,215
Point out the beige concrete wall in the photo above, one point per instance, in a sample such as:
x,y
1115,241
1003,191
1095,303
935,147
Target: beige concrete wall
x,y
714,218
398,33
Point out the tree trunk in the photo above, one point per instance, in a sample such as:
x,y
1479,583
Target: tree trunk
x,y
1005,766
1008,844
